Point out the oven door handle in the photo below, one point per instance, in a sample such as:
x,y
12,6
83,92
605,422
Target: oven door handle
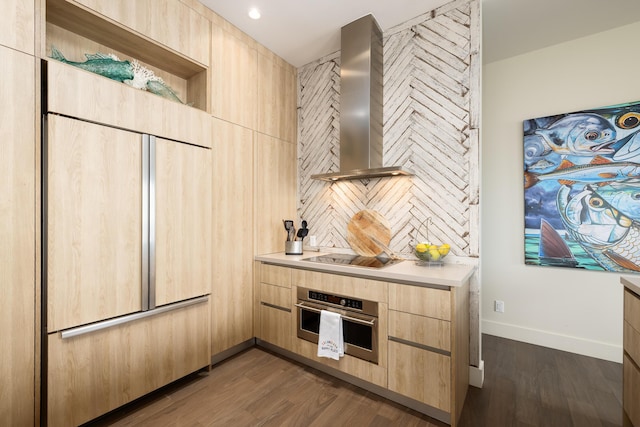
x,y
349,318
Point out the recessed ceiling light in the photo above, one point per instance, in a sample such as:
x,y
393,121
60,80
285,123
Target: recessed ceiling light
x,y
254,13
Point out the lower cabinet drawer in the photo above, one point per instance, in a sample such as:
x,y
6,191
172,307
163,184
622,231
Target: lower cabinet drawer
x,y
419,300
276,326
275,295
631,390
632,325
422,330
632,342
92,374
275,275
420,374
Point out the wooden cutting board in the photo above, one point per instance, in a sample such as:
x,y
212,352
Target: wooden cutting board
x,y
366,230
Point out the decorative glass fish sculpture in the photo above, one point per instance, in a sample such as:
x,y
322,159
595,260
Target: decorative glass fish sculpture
x,y
128,72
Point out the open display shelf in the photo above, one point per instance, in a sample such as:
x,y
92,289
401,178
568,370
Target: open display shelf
x,y
70,23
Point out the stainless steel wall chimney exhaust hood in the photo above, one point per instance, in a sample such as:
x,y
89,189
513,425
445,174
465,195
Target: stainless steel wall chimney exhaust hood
x,y
361,104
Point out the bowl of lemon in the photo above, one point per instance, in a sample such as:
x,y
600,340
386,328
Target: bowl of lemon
x,y
427,252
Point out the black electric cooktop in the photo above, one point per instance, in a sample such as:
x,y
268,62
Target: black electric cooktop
x,y
354,260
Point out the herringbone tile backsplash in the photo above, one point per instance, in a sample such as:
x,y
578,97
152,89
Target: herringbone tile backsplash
x,y
431,116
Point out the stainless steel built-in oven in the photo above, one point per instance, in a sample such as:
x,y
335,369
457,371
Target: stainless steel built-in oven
x,y
359,321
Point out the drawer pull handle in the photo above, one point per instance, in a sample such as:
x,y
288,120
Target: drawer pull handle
x,y
420,346
277,307
82,330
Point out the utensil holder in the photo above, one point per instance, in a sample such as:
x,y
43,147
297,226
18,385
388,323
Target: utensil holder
x,y
293,247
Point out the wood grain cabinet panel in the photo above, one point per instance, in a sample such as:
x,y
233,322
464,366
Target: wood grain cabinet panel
x,y
429,346
276,316
183,221
92,374
632,309
631,342
277,113
169,22
357,287
17,23
17,234
419,329
234,67
631,390
275,295
94,222
418,300
78,93
275,191
232,253
275,275
420,374
631,359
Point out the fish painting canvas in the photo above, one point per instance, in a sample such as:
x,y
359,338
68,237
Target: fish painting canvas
x,y
582,189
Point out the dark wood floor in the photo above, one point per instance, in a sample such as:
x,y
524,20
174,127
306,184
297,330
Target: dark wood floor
x,y
525,385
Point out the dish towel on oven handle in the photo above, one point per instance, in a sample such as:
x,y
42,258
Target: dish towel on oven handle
x,y
331,338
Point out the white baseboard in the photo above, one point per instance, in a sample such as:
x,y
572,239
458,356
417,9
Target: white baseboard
x,y
568,343
476,375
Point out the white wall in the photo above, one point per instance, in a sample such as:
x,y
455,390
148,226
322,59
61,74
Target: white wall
x,y
568,309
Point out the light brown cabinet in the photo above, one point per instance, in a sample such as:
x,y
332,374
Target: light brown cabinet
x,y
234,68
92,374
277,98
94,222
17,232
167,22
232,282
274,307
631,359
17,22
275,191
420,374
183,221
429,346
423,335
128,238
78,93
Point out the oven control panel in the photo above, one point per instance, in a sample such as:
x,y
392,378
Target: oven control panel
x,y
336,299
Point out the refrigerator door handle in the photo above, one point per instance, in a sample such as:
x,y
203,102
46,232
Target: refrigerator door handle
x,y
152,222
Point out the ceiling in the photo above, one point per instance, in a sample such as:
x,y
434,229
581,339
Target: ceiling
x,y
303,31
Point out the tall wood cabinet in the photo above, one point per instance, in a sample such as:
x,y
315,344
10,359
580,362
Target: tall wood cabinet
x,y
18,219
253,102
17,233
231,291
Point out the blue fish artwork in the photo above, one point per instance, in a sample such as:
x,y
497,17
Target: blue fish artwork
x,y
582,189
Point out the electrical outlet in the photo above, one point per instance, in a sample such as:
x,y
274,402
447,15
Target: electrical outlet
x,y
498,306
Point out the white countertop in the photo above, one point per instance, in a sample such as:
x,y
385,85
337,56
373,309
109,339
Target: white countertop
x,y
632,283
450,275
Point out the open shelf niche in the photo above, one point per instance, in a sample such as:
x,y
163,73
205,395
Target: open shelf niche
x,y
75,30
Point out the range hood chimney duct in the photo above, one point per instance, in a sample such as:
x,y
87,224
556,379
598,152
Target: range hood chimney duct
x,y
361,104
